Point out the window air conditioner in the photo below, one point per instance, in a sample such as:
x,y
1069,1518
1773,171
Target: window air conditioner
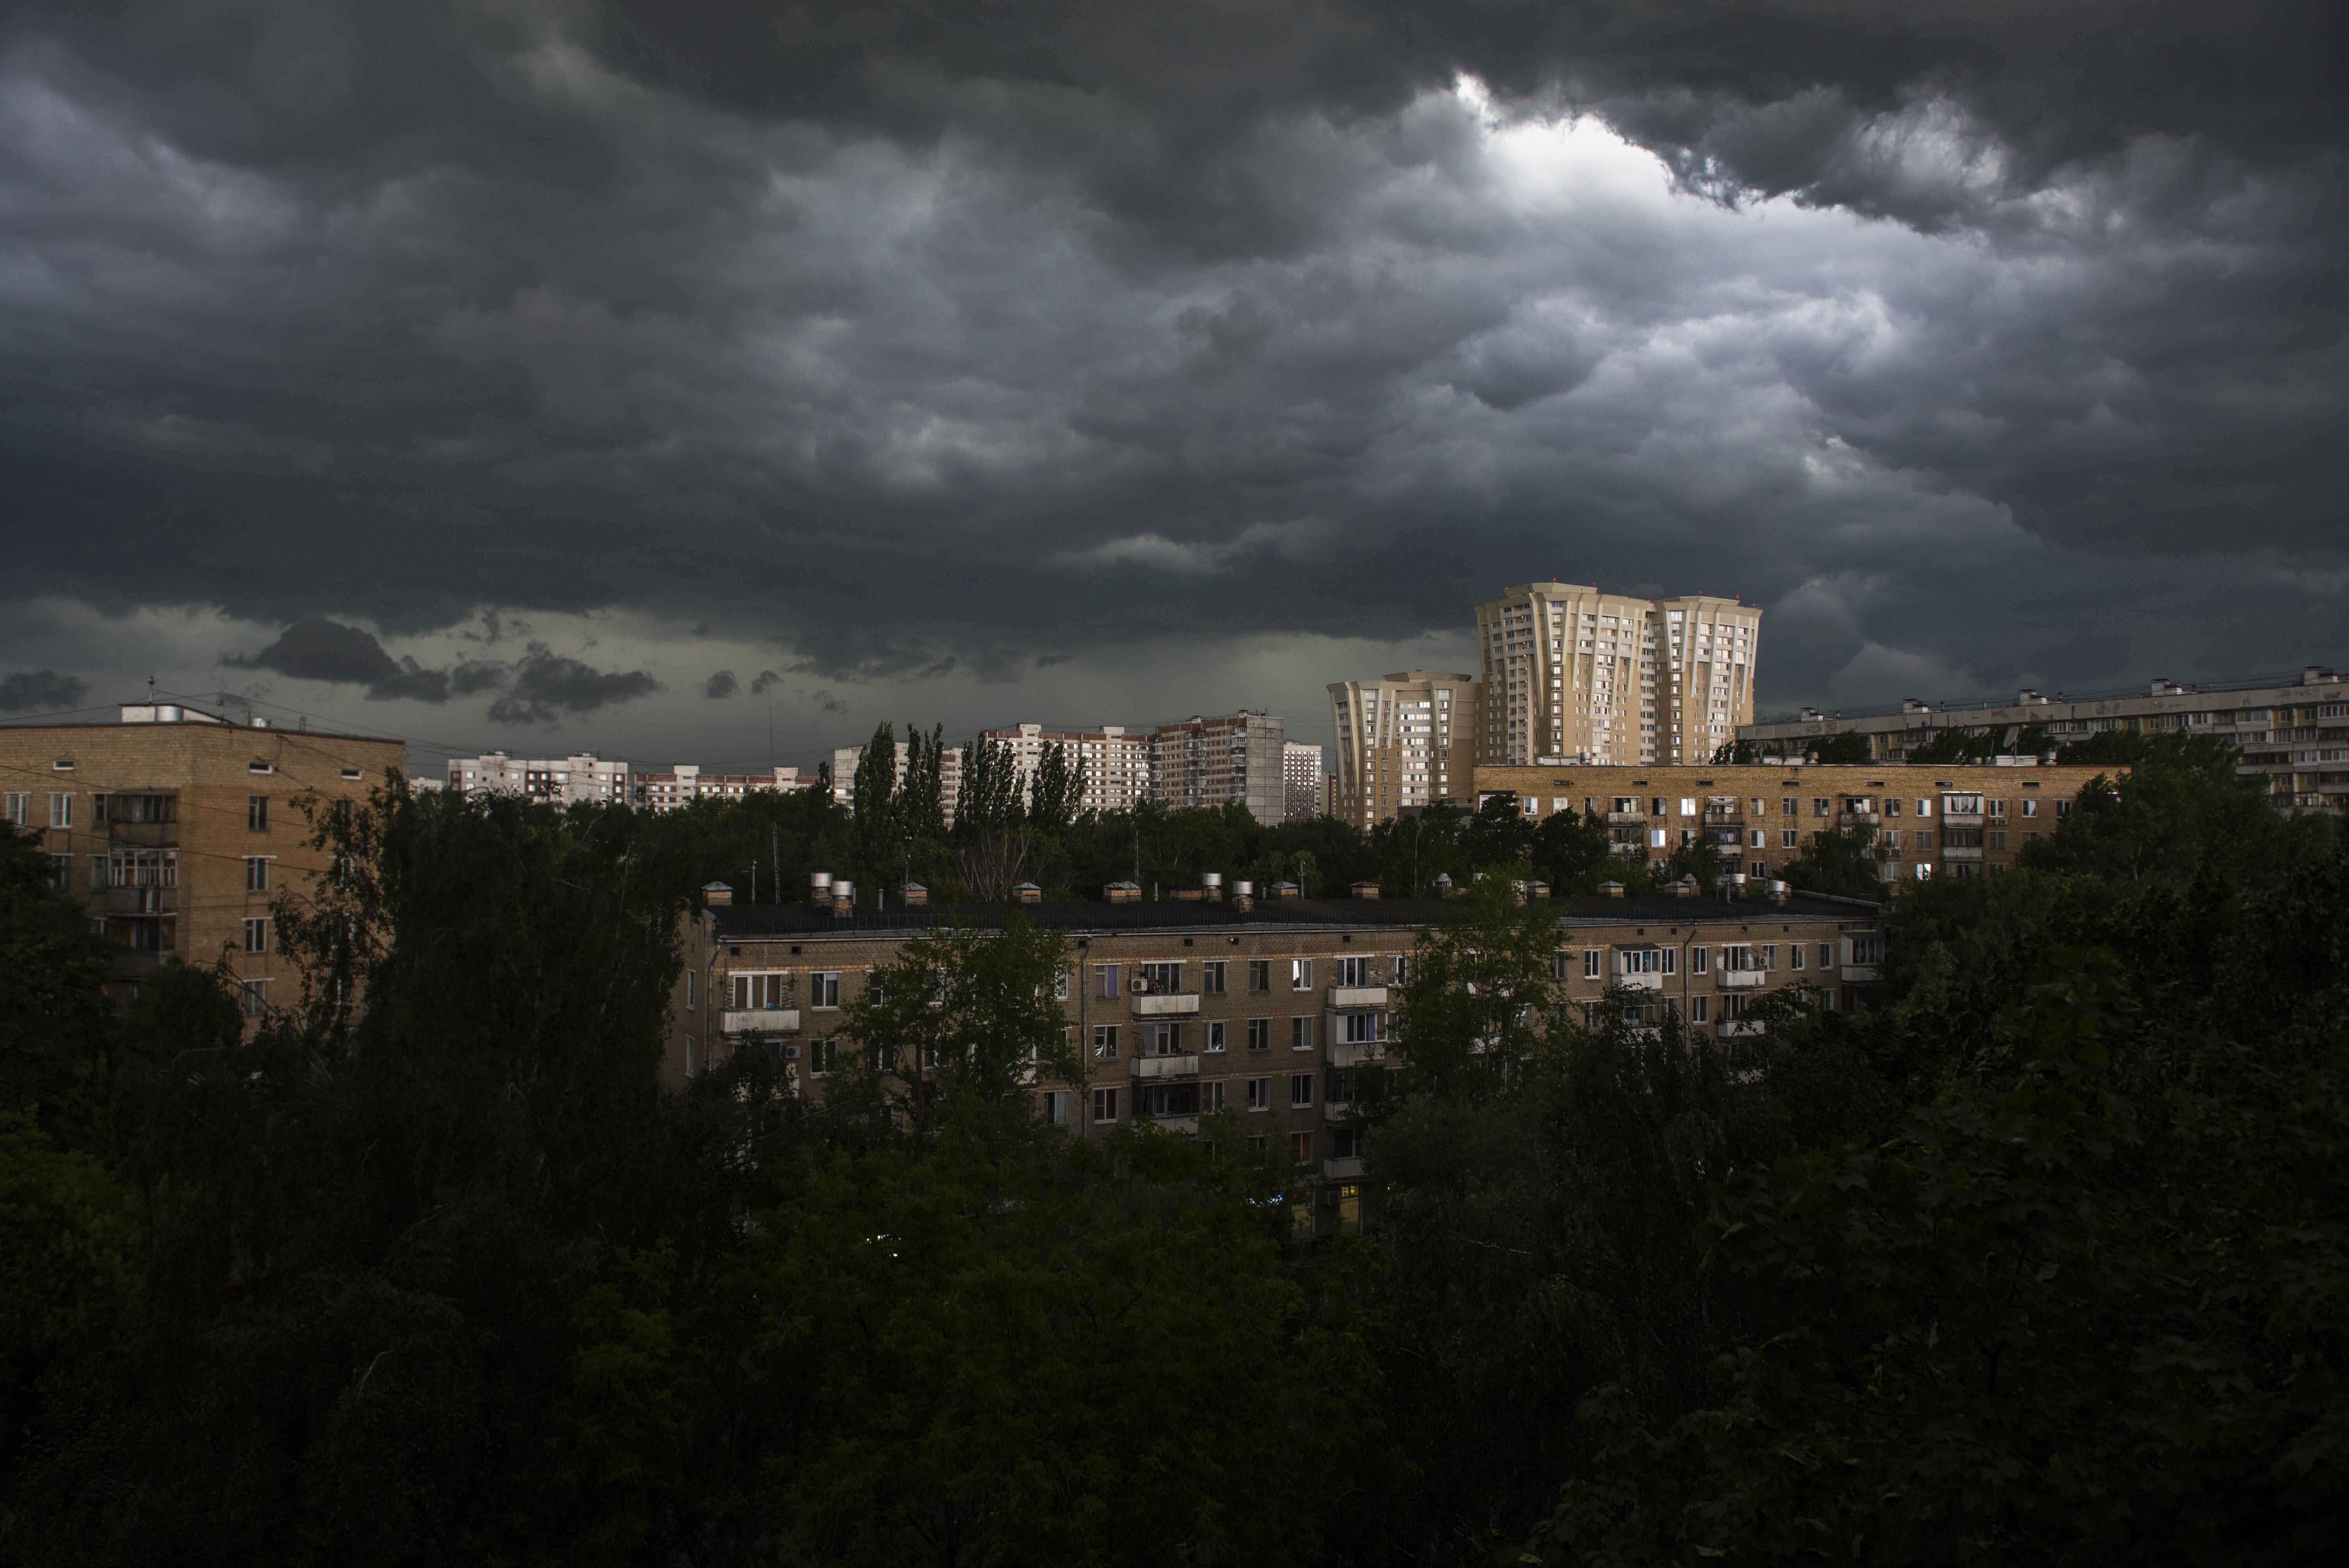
x,y
1136,986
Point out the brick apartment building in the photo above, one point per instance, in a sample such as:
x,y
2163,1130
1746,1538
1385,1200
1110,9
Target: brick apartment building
x,y
1116,763
2293,735
178,828
1262,1006
1944,819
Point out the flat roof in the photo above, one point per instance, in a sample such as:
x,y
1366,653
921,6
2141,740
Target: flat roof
x,y
739,922
200,727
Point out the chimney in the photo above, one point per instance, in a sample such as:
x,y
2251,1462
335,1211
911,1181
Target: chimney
x,y
1685,887
1733,885
1443,884
1366,890
914,895
820,887
715,894
1612,889
1029,893
2315,675
1537,889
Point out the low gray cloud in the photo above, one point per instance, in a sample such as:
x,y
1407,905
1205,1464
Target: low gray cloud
x,y
548,686
721,684
908,341
28,690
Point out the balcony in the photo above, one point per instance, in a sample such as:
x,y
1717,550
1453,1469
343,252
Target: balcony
x,y
1165,1006
1740,979
1356,1053
1859,974
1854,819
144,835
1336,1111
1626,818
1715,814
1358,995
1967,853
1183,1066
759,1020
1347,1169
142,900
1730,1028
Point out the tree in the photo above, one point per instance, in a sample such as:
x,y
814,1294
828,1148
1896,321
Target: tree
x,y
52,1011
1481,987
1572,851
1056,792
1838,860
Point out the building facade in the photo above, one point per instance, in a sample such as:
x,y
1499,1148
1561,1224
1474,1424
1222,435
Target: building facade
x,y
1404,743
562,782
179,828
1942,819
1300,771
2293,736
1116,763
685,783
1571,672
1239,759
1266,1008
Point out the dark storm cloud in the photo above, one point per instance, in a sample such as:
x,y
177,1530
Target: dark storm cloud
x,y
917,341
26,690
548,686
720,685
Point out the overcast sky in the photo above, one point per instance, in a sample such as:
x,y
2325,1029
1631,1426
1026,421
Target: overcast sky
x,y
554,375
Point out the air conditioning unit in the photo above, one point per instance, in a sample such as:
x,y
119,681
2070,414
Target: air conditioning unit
x,y
1136,986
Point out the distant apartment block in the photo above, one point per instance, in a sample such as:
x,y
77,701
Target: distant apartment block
x,y
685,783
1404,743
2293,735
1301,775
583,776
1569,672
1221,761
1116,764
844,776
178,830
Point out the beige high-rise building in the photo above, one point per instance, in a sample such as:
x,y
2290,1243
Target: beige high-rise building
x,y
1572,673
1408,741
844,776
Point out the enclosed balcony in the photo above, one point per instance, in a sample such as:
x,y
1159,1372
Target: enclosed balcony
x,y
1345,1168
1181,1067
1166,1005
760,1020
1730,1028
121,901
1356,1053
1859,974
1740,979
1341,996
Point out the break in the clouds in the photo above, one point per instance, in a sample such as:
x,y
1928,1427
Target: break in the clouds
x,y
953,348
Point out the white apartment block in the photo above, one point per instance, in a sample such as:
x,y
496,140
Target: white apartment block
x,y
1404,743
844,776
1572,674
1200,761
583,776
1117,764
686,782
1300,771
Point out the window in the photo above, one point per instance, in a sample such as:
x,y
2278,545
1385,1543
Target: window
x,y
20,807
1998,811
1259,975
1796,953
1790,837
1260,1034
1061,986
1108,973
823,1056
1818,806
873,992
1700,960
1788,806
1699,1006
1398,969
1561,963
1300,974
1161,979
1924,839
1768,953
1738,959
1055,1106
1212,1039
1105,1042
62,872
256,873
255,997
1104,1105
1826,954
1648,961
1301,1088
824,989
1211,978
1300,1034
2031,808
1924,807
760,991
1260,1094
1687,807
1162,1039
256,813
688,990
60,810
1354,970
1997,841
1300,1147
1211,1095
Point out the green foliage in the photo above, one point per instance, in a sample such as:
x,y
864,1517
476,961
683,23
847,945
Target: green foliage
x,y
1481,988
1962,743
2180,808
52,1023
1838,860
1844,746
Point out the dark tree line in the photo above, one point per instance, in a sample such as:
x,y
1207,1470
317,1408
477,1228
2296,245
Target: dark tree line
x,y
2044,1258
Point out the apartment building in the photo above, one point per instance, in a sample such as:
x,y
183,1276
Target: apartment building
x,y
1266,1008
562,782
1235,759
1571,672
685,782
1300,772
179,828
1928,820
1116,763
2293,736
844,776
1404,743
